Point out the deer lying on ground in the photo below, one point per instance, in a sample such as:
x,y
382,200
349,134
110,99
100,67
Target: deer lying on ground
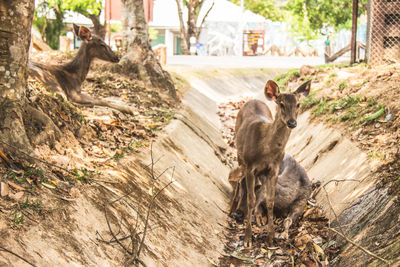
x,y
68,78
260,142
293,188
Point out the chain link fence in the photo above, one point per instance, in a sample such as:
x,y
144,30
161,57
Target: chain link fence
x,y
383,32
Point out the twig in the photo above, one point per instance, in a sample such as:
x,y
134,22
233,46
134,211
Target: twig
x,y
112,233
341,233
227,213
330,205
358,246
15,254
148,214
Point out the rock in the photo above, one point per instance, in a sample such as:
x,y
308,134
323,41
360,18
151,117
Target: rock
x,y
307,70
4,189
3,225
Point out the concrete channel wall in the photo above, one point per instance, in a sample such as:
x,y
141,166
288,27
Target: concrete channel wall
x,y
349,191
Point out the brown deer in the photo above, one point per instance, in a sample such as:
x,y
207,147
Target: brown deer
x,y
68,78
293,188
260,141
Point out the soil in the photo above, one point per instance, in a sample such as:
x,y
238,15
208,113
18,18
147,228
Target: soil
x,y
362,103
87,149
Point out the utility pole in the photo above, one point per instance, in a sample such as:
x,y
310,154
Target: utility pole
x,y
353,44
241,26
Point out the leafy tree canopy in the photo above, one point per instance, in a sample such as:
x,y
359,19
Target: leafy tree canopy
x,y
84,7
270,9
309,17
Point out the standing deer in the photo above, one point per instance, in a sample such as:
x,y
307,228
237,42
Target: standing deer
x,y
69,77
293,188
260,142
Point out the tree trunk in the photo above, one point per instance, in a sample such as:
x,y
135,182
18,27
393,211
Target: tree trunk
x,y
99,29
140,58
184,36
15,35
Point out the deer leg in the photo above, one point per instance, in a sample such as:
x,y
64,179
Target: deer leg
x,y
251,201
236,197
295,212
270,198
84,99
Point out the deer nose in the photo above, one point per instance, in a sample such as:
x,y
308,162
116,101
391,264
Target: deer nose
x,y
291,123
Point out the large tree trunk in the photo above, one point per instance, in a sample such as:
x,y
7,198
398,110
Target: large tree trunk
x,y
99,29
139,57
15,35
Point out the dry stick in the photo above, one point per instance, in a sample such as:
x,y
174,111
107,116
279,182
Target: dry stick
x,y
15,254
341,233
148,213
358,246
112,233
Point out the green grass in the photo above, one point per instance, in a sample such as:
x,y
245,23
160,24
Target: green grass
x,y
283,79
83,174
355,109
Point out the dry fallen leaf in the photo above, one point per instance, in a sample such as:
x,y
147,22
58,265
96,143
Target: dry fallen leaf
x,y
15,186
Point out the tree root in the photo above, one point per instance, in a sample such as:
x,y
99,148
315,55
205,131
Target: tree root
x,y
46,130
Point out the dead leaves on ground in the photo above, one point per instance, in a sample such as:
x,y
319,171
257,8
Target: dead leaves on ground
x,y
310,244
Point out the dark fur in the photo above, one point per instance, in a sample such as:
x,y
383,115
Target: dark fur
x,y
293,188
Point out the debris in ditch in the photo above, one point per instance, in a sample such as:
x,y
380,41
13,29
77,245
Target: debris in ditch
x,y
310,243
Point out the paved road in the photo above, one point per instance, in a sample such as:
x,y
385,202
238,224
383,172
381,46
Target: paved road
x,y
243,62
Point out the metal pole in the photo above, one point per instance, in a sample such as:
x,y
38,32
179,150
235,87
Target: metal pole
x,y
241,27
354,33
109,22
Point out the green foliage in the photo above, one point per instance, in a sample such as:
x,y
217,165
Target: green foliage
x,y
283,79
83,174
116,27
50,29
18,215
266,8
84,7
355,109
153,33
310,17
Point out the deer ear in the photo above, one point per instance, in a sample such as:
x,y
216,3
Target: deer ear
x,y
271,90
84,33
304,88
76,29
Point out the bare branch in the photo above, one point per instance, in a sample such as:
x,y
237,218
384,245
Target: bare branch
x,y
18,256
112,233
202,21
360,247
341,233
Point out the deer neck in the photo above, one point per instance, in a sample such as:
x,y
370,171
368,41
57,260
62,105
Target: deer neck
x,y
80,64
280,133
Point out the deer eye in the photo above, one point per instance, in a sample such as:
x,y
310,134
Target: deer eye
x,y
282,105
298,105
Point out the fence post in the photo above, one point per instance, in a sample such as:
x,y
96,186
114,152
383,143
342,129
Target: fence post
x,y
354,33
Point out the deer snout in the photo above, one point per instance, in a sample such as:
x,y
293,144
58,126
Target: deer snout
x,y
115,59
291,123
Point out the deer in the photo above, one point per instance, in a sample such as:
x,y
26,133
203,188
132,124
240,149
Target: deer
x,y
68,78
293,188
260,142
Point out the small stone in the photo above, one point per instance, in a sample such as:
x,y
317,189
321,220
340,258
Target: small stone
x,y
17,196
377,125
3,225
4,190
